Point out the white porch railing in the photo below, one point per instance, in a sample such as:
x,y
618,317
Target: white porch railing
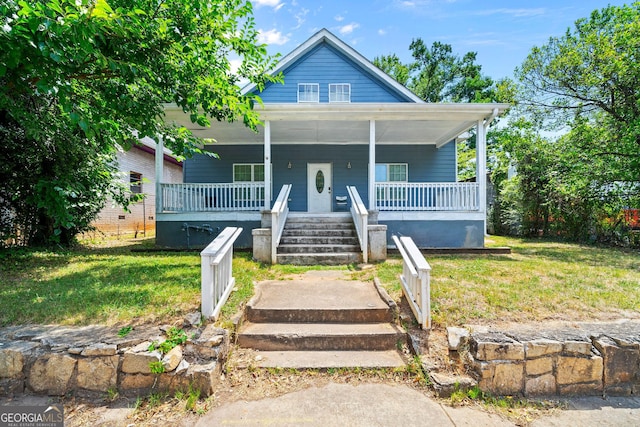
x,y
192,197
427,196
279,214
416,280
361,220
216,273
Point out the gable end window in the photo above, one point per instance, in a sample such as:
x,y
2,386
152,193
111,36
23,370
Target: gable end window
x,y
308,92
339,92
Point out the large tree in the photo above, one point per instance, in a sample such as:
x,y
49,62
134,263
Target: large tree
x,y
80,79
588,80
583,86
437,74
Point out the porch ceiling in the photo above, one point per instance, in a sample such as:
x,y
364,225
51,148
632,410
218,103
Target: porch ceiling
x,y
397,123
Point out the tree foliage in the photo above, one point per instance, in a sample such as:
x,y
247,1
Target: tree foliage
x,y
580,183
589,81
437,74
80,79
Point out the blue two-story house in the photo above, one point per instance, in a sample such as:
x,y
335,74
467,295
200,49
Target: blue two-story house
x,y
336,122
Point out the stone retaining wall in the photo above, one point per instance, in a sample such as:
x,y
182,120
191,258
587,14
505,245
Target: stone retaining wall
x,y
575,359
56,360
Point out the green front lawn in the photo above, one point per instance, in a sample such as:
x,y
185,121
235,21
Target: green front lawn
x,y
115,286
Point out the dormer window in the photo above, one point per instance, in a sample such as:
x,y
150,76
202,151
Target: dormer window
x,y
339,92
308,92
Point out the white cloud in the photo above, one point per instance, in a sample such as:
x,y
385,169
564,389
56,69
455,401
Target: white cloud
x,y
300,17
348,29
516,13
382,32
276,4
339,18
272,37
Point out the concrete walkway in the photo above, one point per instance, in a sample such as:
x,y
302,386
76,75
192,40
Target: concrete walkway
x,y
386,405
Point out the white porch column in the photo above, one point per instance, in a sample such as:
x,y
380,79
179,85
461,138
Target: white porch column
x,y
267,165
481,169
159,157
372,164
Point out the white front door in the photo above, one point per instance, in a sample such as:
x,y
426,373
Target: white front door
x,y
319,187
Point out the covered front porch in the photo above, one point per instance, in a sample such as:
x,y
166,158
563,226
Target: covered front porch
x,y
400,158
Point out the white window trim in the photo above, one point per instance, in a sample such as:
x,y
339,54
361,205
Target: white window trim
x,y
340,84
253,171
317,85
406,165
390,194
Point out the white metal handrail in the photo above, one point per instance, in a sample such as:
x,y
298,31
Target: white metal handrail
x,y
279,214
416,280
211,197
427,196
216,272
360,217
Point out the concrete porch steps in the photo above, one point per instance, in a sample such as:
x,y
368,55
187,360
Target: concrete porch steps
x,y
321,322
320,259
320,336
325,239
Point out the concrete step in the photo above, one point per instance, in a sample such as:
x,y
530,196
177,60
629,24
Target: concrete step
x,y
318,225
320,336
319,218
313,233
342,258
317,249
309,301
319,240
328,359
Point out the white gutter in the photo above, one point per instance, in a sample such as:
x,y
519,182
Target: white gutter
x,y
491,118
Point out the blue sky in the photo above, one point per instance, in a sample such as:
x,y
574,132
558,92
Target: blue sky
x,y
501,32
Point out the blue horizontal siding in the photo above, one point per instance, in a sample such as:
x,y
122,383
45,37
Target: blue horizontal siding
x,y
201,168
323,65
425,164
172,234
439,234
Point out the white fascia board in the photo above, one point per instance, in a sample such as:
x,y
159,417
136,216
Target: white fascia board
x,y
325,34
378,111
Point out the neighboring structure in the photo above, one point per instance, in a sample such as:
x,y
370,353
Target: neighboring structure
x,y
337,121
137,167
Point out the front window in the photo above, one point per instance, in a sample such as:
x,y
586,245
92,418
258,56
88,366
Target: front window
x,y
308,92
249,172
391,173
339,92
